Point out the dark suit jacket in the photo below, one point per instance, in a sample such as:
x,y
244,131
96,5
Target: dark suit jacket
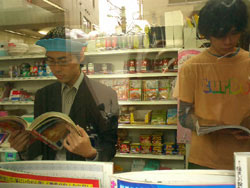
x,y
83,113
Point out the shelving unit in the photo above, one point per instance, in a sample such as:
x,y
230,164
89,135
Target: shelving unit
x,y
22,57
18,103
135,126
38,78
117,58
136,75
150,156
167,102
131,51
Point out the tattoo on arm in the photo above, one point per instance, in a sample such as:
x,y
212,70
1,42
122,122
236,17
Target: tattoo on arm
x,y
186,115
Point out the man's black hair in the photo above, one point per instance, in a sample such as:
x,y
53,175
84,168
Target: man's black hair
x,y
57,32
218,17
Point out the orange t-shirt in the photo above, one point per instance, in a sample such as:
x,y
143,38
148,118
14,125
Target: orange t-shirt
x,y
219,88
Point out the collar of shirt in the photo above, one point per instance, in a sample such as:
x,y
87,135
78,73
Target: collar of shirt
x,y
76,85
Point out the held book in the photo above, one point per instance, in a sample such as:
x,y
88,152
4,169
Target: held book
x,y
205,129
50,127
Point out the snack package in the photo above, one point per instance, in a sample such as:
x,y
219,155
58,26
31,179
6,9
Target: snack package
x,y
145,139
172,86
172,116
157,150
135,90
135,148
164,89
159,117
125,147
169,146
146,149
150,90
121,87
156,139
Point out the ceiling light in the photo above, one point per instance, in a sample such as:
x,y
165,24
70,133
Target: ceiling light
x,y
54,5
14,32
43,32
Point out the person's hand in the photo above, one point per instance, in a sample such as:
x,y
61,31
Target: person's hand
x,y
19,140
79,145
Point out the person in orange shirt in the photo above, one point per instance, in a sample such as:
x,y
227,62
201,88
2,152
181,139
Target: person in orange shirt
x,y
213,86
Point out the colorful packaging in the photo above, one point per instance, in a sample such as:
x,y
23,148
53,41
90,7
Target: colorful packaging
x,y
156,139
150,90
159,117
145,139
146,149
164,89
125,147
121,87
135,90
172,116
157,150
135,148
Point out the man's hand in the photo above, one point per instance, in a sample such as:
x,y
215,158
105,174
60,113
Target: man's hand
x,y
19,140
79,145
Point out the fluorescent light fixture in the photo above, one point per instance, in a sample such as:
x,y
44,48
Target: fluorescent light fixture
x,y
14,32
43,32
54,5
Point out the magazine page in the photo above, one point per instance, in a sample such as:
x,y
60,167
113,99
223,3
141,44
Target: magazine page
x,y
12,123
201,129
47,115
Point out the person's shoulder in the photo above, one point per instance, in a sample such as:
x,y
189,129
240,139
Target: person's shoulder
x,y
245,54
50,87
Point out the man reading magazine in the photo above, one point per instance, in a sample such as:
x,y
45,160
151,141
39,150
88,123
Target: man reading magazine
x,y
77,96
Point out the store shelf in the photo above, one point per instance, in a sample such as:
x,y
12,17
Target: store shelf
x,y
130,51
137,75
22,57
145,126
166,102
120,102
42,78
17,103
150,156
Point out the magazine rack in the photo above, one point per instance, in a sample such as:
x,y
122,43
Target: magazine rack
x,y
67,173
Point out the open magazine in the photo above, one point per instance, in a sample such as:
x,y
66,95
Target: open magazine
x,y
50,127
205,129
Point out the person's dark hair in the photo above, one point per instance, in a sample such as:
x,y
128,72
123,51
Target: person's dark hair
x,y
57,32
218,17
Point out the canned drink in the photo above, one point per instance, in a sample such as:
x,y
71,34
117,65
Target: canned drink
x,y
114,42
124,42
130,41
108,44
136,41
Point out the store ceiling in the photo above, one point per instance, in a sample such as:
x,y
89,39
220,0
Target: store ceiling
x,y
28,18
